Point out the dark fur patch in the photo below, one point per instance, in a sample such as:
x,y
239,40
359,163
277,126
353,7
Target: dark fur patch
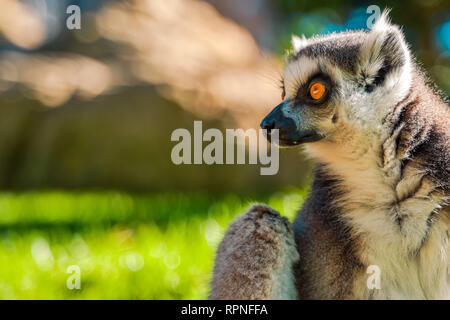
x,y
322,235
424,139
341,49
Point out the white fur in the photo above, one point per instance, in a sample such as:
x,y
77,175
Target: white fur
x,y
296,73
368,206
298,43
370,60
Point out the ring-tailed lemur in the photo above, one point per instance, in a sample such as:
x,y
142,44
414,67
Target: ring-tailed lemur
x,y
381,136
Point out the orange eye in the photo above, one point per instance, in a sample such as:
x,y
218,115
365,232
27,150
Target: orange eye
x,y
317,90
283,94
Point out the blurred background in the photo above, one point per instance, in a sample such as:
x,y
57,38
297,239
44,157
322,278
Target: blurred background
x,y
86,117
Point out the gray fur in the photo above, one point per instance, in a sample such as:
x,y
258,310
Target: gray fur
x,y
340,48
251,259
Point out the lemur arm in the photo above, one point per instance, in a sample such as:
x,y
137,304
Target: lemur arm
x,y
255,259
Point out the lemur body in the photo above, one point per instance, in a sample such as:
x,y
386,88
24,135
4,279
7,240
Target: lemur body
x,y
380,195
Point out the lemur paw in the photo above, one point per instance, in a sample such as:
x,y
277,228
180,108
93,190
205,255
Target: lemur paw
x,y
258,247
265,222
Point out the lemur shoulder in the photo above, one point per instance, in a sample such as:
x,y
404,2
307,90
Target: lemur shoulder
x,y
381,136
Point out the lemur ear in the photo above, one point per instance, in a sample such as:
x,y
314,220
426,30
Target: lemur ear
x,y
298,43
383,56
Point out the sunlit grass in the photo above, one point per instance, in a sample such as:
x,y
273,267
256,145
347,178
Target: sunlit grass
x,y
158,246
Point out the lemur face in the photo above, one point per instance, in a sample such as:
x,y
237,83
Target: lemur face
x,y
341,80
308,106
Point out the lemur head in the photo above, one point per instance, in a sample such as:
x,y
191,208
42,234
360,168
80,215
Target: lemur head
x,y
346,80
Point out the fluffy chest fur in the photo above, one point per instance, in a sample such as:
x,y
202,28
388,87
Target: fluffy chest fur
x,y
397,214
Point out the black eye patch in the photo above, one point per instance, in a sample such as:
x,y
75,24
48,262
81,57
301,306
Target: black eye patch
x,y
304,91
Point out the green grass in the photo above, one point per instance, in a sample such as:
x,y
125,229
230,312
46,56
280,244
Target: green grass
x,y
157,246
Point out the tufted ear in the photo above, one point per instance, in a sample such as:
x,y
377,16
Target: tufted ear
x,y
298,43
384,55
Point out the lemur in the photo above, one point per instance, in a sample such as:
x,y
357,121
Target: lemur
x,y
380,133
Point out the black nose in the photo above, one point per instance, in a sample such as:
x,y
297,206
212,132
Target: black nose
x,y
268,124
274,119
